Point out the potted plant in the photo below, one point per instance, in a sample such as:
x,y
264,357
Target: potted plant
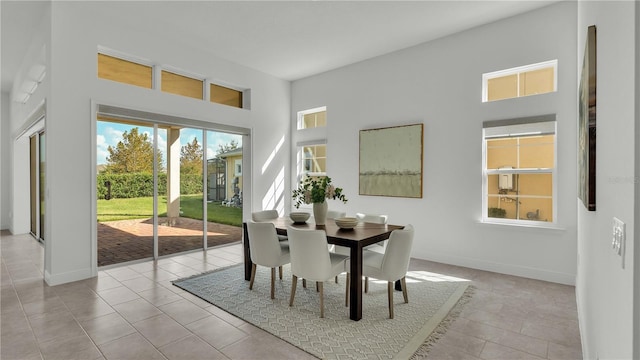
x,y
315,190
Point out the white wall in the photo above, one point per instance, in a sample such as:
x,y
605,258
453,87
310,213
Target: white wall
x,y
74,84
605,290
439,84
5,179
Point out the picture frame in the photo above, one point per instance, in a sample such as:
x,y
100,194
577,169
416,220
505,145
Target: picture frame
x,y
587,124
391,161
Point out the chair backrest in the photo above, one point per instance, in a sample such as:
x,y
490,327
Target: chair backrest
x,y
264,215
334,214
371,218
395,262
264,244
309,254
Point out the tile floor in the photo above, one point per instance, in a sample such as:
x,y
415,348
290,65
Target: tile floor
x,y
133,312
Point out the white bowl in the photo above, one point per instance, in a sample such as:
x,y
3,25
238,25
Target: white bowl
x,y
346,222
299,217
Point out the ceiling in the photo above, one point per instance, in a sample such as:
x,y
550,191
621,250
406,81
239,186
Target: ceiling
x,y
287,39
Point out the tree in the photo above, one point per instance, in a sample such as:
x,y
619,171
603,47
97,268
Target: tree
x,y
133,154
191,158
227,147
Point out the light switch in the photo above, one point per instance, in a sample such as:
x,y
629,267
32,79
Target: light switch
x,y
618,238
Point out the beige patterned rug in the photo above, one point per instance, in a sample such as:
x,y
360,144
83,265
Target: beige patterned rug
x,y
431,298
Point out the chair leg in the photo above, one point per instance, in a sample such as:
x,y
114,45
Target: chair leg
x,y
304,283
280,269
321,288
273,282
336,279
366,284
403,282
390,295
253,275
346,301
317,287
294,282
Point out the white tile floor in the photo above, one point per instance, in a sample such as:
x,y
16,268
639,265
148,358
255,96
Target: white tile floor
x,y
134,312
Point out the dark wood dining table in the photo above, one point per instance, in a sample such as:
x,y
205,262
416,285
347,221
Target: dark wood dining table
x,y
355,239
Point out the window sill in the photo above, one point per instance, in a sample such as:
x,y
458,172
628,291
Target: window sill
x,y
534,227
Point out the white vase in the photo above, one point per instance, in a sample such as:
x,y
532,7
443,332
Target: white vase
x,y
320,212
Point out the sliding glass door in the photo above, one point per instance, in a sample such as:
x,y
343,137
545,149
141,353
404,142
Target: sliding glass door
x,y
37,184
181,204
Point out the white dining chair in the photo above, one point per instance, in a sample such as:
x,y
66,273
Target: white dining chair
x,y
266,215
266,250
376,219
311,260
393,264
335,214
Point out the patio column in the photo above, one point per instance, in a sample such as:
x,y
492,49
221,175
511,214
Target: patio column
x,y
173,176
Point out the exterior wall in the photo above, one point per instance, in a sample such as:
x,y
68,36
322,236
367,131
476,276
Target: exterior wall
x,y
231,174
605,289
439,84
71,87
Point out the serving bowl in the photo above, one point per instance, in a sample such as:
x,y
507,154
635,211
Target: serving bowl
x,y
346,222
299,217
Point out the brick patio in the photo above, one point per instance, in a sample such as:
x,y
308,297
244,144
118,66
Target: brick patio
x,y
127,240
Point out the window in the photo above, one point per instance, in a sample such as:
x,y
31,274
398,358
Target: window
x,y
182,85
519,170
312,118
238,167
521,81
314,159
226,96
124,71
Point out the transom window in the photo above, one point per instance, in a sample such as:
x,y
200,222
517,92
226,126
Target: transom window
x,y
124,71
182,85
312,118
519,170
521,81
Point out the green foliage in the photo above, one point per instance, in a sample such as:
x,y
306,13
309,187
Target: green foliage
x,y
316,190
497,212
134,153
134,185
131,185
227,147
191,158
190,184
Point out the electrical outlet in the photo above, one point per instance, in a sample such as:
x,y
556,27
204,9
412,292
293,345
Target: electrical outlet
x,y
618,238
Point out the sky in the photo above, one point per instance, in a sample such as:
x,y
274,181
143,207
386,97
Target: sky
x,y
109,133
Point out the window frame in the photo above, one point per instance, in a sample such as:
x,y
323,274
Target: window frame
x,y
517,71
532,122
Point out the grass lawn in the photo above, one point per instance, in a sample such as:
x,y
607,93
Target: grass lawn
x,y
190,205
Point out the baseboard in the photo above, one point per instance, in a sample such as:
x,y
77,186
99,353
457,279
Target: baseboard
x,y
509,269
67,277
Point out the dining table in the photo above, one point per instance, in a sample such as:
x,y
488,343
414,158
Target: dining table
x,y
363,234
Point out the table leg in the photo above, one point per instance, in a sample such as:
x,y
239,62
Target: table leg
x,y
398,285
355,291
247,254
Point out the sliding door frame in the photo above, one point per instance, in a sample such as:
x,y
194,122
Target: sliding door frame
x,y
154,119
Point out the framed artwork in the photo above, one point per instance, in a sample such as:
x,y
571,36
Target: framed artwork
x,y
587,124
391,161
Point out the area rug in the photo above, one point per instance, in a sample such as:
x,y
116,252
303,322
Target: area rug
x,y
431,298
